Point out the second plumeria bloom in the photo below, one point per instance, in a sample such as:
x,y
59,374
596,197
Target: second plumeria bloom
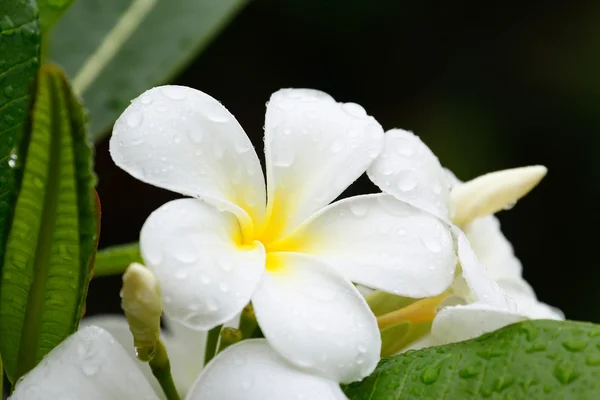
x,y
293,256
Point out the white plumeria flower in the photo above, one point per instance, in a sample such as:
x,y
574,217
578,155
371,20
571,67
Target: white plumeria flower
x,y
485,297
294,257
91,365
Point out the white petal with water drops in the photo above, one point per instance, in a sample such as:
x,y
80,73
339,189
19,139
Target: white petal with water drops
x,y
193,249
408,170
481,286
89,365
382,243
458,323
493,249
252,370
317,319
183,140
314,148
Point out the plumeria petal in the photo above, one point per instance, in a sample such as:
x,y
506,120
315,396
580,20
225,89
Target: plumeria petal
x,y
314,148
458,323
316,319
408,170
206,275
117,327
89,364
482,287
252,370
181,139
493,249
382,243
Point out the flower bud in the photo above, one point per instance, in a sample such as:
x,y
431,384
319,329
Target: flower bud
x,y
493,192
141,302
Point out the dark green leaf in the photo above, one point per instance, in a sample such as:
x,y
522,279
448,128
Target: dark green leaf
x,y
51,11
114,50
19,62
50,247
529,360
115,259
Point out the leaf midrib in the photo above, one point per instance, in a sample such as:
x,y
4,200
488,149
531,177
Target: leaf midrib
x,y
36,297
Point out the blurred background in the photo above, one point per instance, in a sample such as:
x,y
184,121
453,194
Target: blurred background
x,y
485,87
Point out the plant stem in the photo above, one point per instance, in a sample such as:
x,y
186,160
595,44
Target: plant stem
x,y
161,369
211,344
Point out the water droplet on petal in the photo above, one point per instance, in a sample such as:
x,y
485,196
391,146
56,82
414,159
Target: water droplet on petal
x,y
407,183
337,146
134,119
354,110
174,92
216,112
196,135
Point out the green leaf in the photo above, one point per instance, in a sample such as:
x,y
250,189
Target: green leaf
x,y
19,62
51,11
115,259
114,50
54,230
528,360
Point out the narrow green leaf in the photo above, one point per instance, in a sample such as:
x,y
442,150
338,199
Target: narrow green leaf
x,y
114,50
19,62
114,260
529,360
51,11
50,247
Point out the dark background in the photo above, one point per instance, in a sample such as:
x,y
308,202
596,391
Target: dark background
x,y
486,87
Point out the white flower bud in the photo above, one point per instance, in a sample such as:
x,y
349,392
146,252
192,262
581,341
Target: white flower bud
x,y
141,302
490,193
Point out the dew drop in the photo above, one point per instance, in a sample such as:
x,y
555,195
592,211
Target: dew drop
x,y
205,279
134,119
359,209
337,146
9,91
177,139
407,183
174,92
436,187
196,135
180,274
361,348
283,158
216,113
575,345
224,287
430,375
432,244
146,99
90,369
354,110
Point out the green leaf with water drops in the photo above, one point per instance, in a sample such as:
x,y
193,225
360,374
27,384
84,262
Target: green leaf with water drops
x,y
54,229
51,11
114,260
19,62
529,360
114,50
